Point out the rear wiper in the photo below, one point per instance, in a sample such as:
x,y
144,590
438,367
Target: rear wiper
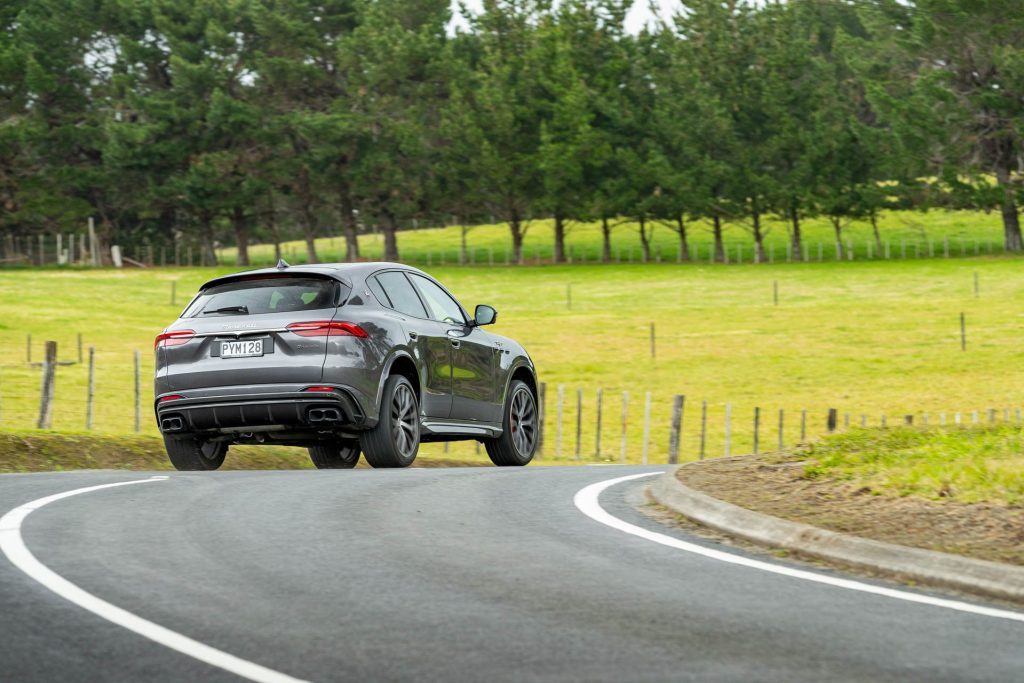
x,y
228,309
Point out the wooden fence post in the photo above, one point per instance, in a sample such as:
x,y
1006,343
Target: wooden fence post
x,y
80,359
558,425
833,417
647,425
677,422
597,435
46,392
703,427
625,411
757,428
652,342
963,333
579,420
28,348
138,394
91,391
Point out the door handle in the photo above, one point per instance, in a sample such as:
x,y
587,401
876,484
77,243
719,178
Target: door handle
x,y
413,335
456,343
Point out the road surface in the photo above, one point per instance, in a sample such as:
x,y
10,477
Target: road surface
x,y
430,575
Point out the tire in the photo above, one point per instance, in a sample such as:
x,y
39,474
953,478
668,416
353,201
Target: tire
x,y
343,455
192,454
518,440
395,439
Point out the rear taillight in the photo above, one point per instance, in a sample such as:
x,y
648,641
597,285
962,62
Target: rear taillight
x,y
321,389
327,328
172,397
175,338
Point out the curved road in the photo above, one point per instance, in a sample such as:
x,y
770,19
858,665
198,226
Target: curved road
x,y
438,575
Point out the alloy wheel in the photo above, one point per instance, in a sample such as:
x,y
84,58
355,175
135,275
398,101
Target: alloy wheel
x,y
523,421
404,423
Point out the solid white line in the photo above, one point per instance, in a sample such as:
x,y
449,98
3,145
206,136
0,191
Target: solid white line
x,y
587,502
12,545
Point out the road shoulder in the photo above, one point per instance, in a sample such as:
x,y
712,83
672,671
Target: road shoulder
x,y
928,567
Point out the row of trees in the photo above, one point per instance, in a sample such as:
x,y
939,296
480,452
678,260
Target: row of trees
x,y
235,120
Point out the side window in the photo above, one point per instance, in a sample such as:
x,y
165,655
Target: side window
x,y
442,306
378,292
401,294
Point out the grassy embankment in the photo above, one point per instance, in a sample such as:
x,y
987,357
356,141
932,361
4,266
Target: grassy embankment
x,y
50,451
967,465
908,232
866,338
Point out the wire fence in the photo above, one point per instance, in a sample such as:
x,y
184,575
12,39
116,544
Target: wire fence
x,y
80,249
86,388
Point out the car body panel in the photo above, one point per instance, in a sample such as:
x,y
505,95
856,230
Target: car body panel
x,y
458,387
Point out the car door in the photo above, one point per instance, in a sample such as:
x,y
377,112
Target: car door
x,y
428,340
473,354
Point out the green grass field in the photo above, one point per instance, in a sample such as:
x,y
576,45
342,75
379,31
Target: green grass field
x,y
867,338
910,234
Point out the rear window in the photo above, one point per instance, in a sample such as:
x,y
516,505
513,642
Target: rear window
x,y
272,295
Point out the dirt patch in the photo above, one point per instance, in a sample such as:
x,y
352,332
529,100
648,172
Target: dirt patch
x,y
775,485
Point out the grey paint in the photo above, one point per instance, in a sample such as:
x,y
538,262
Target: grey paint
x,y
463,370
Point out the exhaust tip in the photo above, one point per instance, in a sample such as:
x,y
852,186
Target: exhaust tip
x,y
324,415
172,424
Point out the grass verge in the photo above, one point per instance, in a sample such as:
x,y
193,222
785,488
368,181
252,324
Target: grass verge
x,y
40,451
950,490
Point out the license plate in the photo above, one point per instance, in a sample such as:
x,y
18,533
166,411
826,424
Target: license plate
x,y
241,349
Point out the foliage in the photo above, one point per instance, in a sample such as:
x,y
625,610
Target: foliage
x,y
204,122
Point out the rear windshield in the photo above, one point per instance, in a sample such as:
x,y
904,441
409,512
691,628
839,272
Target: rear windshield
x,y
272,295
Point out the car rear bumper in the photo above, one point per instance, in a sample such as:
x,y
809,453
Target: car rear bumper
x,y
260,408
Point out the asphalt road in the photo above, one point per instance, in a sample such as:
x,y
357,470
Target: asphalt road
x,y
438,575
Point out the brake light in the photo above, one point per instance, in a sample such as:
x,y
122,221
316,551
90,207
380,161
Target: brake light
x,y
175,338
319,389
327,328
172,397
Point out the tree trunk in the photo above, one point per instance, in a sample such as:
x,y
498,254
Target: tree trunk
x,y
241,226
309,232
516,228
759,256
874,229
606,240
719,246
684,245
463,247
645,239
559,238
348,223
275,234
207,250
796,239
1011,218
390,228
837,227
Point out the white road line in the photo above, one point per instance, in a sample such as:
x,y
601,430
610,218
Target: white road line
x,y
12,545
586,500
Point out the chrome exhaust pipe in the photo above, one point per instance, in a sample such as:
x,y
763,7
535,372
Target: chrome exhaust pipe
x,y
172,424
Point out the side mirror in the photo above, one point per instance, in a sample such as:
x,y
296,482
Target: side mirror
x,y
484,315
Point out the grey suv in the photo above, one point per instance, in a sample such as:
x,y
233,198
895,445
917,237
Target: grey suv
x,y
342,359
